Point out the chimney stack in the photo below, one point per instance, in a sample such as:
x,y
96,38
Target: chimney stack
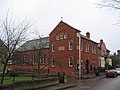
x,y
118,51
101,41
88,35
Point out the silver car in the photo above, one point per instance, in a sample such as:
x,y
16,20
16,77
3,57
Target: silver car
x,y
118,71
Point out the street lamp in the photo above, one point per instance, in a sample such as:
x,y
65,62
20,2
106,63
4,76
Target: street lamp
x,y
79,56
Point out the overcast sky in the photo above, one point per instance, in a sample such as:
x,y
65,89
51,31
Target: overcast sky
x,y
81,14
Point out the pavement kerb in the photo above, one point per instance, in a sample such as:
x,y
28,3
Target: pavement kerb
x,y
66,86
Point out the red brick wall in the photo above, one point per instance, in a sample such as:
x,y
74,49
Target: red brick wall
x,y
92,57
62,57
23,60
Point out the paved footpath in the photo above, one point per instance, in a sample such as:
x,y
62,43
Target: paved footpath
x,y
71,82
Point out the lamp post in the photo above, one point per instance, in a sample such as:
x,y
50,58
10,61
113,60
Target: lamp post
x,y
79,56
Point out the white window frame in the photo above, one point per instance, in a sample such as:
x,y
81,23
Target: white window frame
x,y
57,37
65,36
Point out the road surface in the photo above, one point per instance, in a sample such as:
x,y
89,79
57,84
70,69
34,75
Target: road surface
x,y
98,84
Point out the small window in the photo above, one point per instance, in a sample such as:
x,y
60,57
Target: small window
x,y
61,37
70,45
70,62
65,36
53,62
57,37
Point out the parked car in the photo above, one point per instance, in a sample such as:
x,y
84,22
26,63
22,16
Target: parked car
x,y
111,73
118,71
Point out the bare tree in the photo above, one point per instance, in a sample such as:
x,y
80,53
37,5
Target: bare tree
x,y
41,53
13,34
114,4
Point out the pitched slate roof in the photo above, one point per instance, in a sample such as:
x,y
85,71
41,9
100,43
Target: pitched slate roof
x,y
35,44
85,37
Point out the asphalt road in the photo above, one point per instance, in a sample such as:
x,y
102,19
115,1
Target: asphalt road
x,y
101,84
107,84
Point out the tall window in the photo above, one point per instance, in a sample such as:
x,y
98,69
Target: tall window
x,y
94,49
70,62
44,59
41,58
23,60
53,62
53,47
81,47
87,47
33,59
70,45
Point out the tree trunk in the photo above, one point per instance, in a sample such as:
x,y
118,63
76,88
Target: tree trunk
x,y
3,74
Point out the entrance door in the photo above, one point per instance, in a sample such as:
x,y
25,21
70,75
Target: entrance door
x,y
87,66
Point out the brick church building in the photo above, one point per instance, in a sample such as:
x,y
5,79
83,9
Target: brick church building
x,y
65,50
